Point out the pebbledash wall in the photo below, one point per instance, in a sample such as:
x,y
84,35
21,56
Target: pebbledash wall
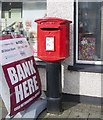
x,y
86,84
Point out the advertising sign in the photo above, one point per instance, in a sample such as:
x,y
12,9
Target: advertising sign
x,y
21,78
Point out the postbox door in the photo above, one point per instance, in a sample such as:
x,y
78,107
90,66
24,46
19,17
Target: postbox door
x,y
48,44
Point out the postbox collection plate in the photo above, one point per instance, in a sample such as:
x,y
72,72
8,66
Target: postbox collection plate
x,y
49,43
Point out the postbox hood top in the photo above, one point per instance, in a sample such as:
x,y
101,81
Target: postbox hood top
x,y
52,19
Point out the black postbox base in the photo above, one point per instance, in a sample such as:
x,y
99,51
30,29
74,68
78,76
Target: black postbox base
x,y
54,105
53,76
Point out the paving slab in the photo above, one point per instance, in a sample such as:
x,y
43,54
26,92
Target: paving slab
x,y
0,113
95,109
78,115
84,107
3,111
101,116
49,115
73,111
76,111
94,115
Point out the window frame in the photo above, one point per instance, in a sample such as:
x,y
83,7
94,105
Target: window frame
x,y
76,35
82,67
9,12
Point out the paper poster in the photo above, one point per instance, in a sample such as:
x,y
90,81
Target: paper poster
x,y
21,76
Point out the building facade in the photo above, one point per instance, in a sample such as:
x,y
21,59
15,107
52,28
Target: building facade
x,y
82,72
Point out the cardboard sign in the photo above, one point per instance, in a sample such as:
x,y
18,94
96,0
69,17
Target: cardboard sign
x,y
20,82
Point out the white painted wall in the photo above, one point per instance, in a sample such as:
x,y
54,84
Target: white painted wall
x,y
77,83
82,83
63,9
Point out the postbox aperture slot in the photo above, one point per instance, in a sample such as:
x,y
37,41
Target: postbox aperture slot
x,y
49,28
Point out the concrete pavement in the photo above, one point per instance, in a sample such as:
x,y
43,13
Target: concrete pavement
x,y
3,111
76,110
70,110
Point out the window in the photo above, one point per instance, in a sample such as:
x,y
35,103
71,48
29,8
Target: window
x,y
89,40
19,17
11,10
31,11
11,17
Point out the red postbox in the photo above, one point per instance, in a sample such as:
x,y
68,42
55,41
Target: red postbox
x,y
53,38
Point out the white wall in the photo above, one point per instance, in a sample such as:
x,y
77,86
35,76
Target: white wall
x,y
63,9
82,83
